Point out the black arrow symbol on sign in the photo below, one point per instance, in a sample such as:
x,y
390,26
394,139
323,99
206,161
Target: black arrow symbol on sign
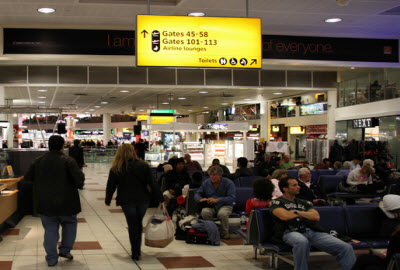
x,y
253,61
144,32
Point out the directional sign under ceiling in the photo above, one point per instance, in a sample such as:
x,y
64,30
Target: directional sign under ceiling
x,y
182,41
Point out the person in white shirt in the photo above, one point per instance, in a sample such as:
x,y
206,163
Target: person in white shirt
x,y
360,176
355,163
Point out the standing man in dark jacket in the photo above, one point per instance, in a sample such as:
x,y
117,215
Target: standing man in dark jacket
x,y
56,178
76,152
140,148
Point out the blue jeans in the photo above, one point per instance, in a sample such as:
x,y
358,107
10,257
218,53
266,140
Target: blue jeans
x,y
301,243
134,213
51,225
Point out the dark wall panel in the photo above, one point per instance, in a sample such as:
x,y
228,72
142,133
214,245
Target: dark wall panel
x,y
42,74
273,78
246,77
326,79
297,78
132,75
190,76
74,75
218,77
12,74
162,76
102,75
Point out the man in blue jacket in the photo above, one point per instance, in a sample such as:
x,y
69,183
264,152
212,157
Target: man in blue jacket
x,y
216,195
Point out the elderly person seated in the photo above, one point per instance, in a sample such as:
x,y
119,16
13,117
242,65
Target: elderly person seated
x,y
309,191
345,170
286,163
216,196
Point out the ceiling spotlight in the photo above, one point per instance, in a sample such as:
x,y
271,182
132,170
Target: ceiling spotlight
x,y
206,112
86,112
42,90
97,106
190,110
46,10
247,99
91,110
277,93
124,91
333,20
205,107
342,3
196,14
41,97
165,103
104,102
203,92
41,102
224,103
352,68
141,110
181,98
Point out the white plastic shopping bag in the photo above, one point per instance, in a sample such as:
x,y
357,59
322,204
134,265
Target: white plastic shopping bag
x,y
160,229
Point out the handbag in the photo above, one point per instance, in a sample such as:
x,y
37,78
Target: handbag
x,y
160,229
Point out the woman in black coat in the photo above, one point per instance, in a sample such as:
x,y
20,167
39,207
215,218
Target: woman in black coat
x,y
135,185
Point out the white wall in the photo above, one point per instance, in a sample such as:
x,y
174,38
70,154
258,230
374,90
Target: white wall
x,y
373,109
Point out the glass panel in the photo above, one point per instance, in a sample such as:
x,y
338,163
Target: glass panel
x,y
353,133
362,88
341,131
340,95
349,92
376,88
291,111
389,130
274,112
281,111
392,89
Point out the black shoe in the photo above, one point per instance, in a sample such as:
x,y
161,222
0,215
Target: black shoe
x,y
67,256
135,258
52,264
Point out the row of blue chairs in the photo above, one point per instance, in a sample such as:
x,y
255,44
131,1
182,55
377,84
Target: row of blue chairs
x,y
364,223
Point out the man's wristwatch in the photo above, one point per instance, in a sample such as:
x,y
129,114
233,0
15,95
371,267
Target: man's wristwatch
x,y
296,212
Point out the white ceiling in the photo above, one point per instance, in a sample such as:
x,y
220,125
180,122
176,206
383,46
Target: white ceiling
x,y
284,17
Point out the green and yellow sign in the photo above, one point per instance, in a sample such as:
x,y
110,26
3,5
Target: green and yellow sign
x,y
182,41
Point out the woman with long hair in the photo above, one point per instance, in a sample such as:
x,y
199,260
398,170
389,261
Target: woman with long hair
x,y
134,182
276,176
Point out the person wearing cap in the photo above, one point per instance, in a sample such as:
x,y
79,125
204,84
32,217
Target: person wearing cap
x,y
390,205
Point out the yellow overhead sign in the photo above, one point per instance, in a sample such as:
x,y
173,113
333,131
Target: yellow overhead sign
x,y
297,130
142,117
198,41
162,119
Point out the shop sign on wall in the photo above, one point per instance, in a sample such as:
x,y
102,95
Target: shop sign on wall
x,y
364,123
182,41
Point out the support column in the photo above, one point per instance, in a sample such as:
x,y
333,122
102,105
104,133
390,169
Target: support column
x,y
3,117
332,105
193,136
106,128
12,132
265,120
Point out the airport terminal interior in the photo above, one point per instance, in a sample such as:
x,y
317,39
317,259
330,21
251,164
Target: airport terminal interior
x,y
284,84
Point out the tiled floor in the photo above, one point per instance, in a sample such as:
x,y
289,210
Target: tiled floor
x,y
103,243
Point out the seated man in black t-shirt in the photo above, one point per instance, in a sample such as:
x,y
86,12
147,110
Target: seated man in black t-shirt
x,y
295,225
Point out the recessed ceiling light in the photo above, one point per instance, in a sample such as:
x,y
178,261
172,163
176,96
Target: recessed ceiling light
x,y
124,91
352,68
181,98
41,102
247,99
165,103
141,110
42,90
224,103
97,106
205,107
277,93
46,10
104,102
196,14
86,112
41,97
333,20
190,110
91,110
203,92
205,112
